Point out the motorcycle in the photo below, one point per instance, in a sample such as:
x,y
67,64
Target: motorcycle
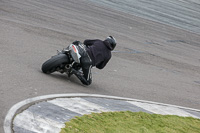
x,y
64,60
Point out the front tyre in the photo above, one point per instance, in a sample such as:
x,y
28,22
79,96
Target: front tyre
x,y
56,61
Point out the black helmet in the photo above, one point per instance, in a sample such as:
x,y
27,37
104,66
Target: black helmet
x,y
112,41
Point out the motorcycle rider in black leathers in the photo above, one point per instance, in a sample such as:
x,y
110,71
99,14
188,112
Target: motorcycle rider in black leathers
x,y
93,53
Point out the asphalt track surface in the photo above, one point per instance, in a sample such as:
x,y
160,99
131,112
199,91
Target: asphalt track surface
x,y
153,61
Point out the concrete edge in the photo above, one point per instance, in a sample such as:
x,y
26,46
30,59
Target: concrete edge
x,y
18,107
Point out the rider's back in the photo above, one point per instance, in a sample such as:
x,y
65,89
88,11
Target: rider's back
x,y
99,52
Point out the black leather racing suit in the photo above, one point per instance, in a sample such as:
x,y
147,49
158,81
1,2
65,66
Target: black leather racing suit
x,y
96,53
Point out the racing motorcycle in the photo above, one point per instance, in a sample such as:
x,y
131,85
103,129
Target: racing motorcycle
x,y
64,60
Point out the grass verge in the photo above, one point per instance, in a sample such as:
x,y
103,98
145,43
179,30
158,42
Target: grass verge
x,y
131,122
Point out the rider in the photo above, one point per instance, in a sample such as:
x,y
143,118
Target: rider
x,y
96,53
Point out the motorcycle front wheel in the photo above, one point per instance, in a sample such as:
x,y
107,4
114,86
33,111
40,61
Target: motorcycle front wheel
x,y
53,63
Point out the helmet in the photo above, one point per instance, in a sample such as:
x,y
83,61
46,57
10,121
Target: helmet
x,y
112,41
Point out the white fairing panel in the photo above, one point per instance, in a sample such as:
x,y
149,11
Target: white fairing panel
x,y
75,53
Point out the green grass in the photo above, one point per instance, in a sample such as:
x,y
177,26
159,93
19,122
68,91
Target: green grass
x,y
131,122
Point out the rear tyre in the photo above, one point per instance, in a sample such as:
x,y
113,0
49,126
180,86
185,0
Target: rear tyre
x,y
56,61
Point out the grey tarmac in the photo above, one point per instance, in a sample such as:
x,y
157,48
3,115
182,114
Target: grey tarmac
x,y
152,61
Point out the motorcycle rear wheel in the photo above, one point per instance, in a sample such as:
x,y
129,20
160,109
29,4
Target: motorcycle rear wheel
x,y
56,61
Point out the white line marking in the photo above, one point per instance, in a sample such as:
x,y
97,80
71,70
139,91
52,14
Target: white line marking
x,y
78,105
37,123
163,110
18,106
